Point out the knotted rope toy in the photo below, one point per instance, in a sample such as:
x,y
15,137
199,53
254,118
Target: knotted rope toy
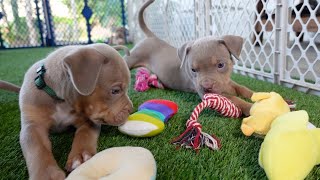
x,y
193,136
145,80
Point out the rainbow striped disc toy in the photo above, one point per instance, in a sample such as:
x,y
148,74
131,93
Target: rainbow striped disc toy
x,y
150,118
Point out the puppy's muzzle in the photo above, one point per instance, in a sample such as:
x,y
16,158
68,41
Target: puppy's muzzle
x,y
207,86
114,116
123,115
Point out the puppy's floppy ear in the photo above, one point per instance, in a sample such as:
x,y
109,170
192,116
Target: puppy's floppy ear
x,y
234,44
84,67
183,52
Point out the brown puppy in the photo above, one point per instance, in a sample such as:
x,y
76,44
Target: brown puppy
x,y
90,83
202,66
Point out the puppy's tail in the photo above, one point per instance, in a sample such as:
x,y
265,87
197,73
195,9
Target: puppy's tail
x,y
142,24
9,87
124,48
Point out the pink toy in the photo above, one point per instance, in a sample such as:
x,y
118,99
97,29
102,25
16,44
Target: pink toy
x,y
144,80
193,137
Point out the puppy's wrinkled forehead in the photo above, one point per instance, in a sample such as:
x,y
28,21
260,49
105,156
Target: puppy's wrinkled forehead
x,y
115,71
204,49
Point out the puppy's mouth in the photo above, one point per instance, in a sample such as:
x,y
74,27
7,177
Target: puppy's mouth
x,y
210,90
121,117
112,119
99,121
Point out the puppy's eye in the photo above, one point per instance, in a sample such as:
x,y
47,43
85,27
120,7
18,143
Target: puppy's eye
x,y
115,90
220,65
193,70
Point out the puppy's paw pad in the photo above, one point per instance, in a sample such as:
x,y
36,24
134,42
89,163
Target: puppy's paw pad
x,y
86,156
77,159
75,164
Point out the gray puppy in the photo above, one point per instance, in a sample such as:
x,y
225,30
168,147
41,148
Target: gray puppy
x,y
203,66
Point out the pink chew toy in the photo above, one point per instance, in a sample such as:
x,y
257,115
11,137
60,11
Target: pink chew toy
x,y
144,80
193,137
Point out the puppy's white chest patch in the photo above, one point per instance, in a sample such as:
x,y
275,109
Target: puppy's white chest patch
x,y
63,116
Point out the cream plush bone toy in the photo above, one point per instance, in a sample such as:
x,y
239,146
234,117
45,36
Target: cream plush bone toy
x,y
117,163
266,108
290,149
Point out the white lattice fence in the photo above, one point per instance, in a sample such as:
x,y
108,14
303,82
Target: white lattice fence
x,y
302,65
240,18
172,21
281,37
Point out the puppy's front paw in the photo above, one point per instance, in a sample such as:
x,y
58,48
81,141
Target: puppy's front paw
x,y
76,159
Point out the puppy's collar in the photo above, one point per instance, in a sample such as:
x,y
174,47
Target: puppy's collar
x,y
41,84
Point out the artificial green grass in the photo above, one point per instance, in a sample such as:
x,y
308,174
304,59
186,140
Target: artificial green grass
x,y
237,159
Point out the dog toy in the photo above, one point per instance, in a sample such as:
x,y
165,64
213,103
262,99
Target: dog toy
x,y
193,136
118,163
150,118
266,108
290,149
144,80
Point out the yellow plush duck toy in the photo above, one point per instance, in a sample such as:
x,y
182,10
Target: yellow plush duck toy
x,y
290,149
266,108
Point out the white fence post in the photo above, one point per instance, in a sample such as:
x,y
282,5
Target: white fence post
x,y
280,46
200,15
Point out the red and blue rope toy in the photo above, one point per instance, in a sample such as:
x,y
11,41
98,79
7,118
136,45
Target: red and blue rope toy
x,y
193,136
